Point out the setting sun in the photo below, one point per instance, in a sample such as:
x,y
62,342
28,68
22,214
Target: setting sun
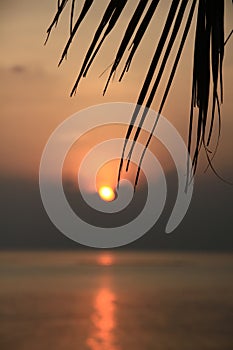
x,y
106,193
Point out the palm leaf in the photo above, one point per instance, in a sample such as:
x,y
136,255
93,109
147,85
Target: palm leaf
x,y
209,32
148,78
176,27
139,35
207,64
185,33
60,8
73,30
127,36
110,18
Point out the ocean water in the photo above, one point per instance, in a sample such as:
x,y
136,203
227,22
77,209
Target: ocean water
x,y
116,301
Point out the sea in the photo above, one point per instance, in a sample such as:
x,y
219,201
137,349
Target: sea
x,y
116,300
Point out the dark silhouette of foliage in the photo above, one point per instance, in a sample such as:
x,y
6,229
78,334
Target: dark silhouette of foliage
x,y
208,57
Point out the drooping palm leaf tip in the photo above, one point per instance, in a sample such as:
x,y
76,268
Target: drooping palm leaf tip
x,y
207,63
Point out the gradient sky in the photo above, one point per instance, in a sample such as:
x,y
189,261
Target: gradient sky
x,y
34,93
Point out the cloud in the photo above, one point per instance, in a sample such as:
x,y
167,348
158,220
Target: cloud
x,y
18,69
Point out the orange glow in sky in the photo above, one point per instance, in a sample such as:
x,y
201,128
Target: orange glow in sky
x,y
106,193
32,72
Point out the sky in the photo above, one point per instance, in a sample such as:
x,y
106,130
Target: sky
x,y
34,99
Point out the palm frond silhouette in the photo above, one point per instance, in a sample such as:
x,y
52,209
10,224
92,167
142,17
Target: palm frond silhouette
x,y
208,54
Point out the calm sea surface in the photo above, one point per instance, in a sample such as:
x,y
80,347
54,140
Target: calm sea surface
x,y
116,301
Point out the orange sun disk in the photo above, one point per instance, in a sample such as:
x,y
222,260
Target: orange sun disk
x,y
106,193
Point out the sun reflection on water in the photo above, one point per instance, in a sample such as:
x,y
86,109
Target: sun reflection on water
x,y
105,260
103,321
